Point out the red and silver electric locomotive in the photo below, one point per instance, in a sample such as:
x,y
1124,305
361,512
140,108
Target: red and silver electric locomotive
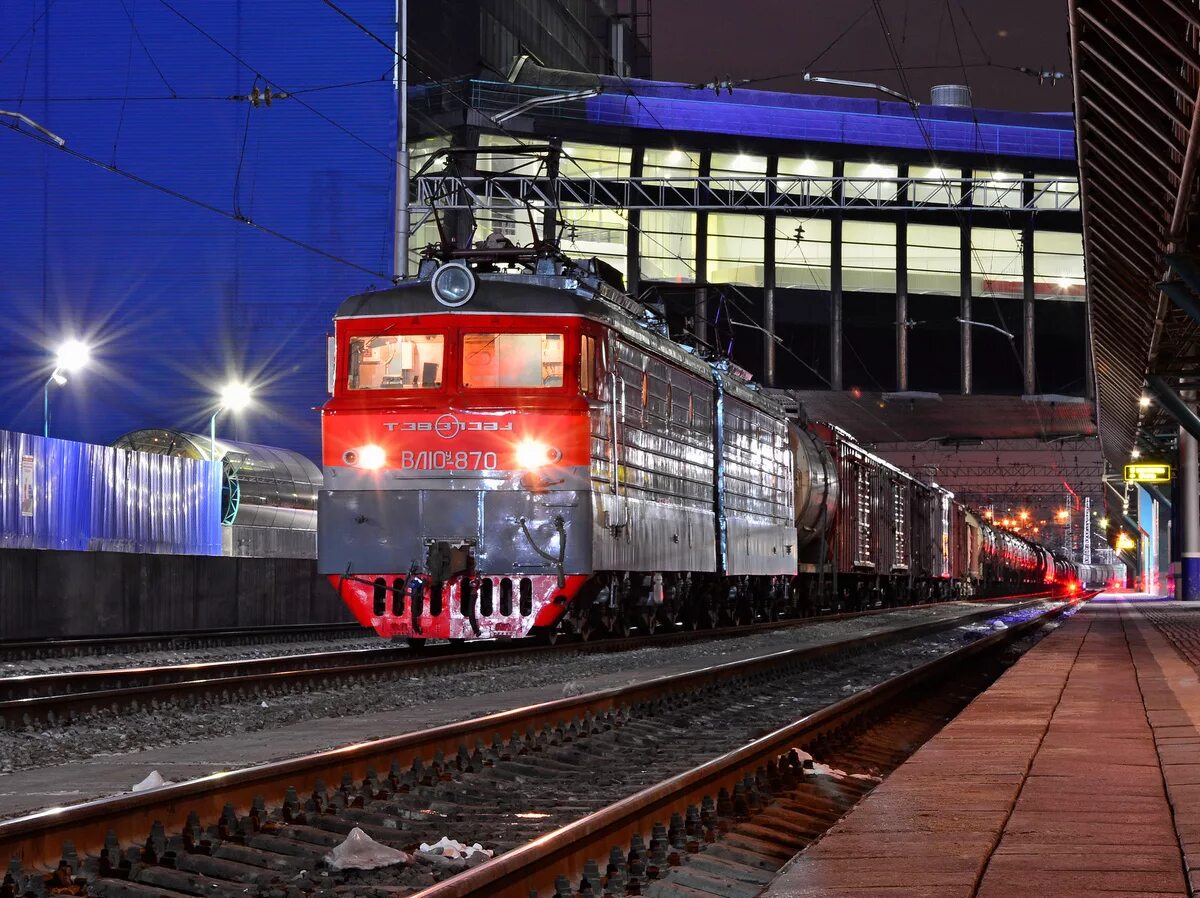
x,y
515,446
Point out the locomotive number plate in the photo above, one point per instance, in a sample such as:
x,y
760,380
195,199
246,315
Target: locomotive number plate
x,y
447,460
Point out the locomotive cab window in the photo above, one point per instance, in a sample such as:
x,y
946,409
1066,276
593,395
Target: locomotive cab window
x,y
512,360
396,362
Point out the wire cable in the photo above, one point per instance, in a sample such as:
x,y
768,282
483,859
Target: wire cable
x,y
170,191
32,25
274,84
137,34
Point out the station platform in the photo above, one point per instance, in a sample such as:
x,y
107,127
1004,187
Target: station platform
x,y
1076,774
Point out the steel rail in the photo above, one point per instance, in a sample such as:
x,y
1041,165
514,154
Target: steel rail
x,y
532,868
60,696
37,839
16,649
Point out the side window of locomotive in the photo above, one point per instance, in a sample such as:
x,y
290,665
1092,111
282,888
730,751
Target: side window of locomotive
x,y
396,362
587,365
512,360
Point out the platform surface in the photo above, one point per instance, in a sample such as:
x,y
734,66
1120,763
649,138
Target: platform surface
x,y
1076,774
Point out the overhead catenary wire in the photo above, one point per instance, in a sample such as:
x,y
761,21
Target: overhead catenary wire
x,y
254,70
150,56
29,29
179,195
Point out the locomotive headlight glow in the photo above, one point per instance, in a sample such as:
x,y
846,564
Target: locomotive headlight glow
x,y
371,457
532,454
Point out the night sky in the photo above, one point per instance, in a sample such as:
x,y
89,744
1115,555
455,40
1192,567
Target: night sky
x,y
695,40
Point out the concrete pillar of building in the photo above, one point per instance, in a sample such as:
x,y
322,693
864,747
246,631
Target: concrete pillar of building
x,y
902,303
768,323
966,374
835,304
633,233
550,222
1028,332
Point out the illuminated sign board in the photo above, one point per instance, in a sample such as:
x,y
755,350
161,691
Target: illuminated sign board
x,y
1148,472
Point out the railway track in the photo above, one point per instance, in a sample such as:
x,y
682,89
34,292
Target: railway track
x,y
727,826
248,831
12,650
56,697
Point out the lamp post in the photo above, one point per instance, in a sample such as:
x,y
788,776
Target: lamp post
x,y
70,357
233,396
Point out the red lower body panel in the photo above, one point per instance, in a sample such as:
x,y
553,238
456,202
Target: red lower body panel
x,y
500,606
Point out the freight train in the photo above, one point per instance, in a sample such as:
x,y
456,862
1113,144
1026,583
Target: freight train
x,y
513,446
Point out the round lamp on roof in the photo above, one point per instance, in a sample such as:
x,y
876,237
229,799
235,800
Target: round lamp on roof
x,y
453,284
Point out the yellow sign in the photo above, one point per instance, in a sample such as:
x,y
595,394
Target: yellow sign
x,y
1148,472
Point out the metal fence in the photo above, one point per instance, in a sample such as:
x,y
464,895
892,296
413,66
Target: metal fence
x,y
58,494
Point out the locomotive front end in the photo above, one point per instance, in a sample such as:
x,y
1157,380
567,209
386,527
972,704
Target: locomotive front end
x,y
456,450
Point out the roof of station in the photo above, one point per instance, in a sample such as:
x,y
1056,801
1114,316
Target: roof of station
x,y
1136,74
665,106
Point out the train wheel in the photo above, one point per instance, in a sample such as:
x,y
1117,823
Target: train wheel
x,y
416,642
591,627
648,623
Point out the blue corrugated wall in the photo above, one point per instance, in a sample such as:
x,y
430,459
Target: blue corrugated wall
x,y
176,298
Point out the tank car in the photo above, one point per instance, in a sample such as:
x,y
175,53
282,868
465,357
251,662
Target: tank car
x,y
514,446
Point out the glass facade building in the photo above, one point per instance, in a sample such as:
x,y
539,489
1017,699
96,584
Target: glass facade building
x,y
822,242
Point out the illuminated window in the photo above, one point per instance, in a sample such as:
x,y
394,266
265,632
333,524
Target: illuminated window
x,y
514,220
1055,192
933,185
802,253
805,177
671,165
602,233
396,362
933,259
869,256
668,246
1058,265
996,266
512,360
500,153
870,181
998,189
735,249
425,235
583,160
423,155
738,171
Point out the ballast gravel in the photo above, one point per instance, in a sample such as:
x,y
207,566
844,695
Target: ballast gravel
x,y
475,693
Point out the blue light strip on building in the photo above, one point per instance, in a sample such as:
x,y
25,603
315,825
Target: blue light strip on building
x,y
839,120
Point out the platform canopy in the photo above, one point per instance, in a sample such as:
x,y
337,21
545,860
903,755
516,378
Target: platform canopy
x,y
1136,71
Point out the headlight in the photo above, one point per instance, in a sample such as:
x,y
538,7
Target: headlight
x,y
370,456
531,454
453,284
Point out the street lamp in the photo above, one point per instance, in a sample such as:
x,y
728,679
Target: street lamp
x,y
233,396
70,357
